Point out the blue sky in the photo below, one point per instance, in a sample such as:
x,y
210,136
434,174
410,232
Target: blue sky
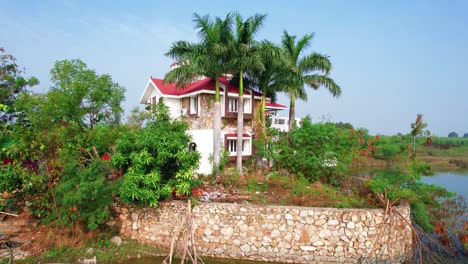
x,y
393,59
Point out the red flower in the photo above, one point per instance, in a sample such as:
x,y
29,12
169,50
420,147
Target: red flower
x,y
197,192
7,161
105,157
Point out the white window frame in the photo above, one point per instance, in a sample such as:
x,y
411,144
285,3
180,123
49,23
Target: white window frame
x,y
231,146
194,105
247,105
233,104
280,121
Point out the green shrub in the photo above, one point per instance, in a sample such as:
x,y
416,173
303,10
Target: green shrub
x,y
84,194
156,160
316,151
401,185
24,185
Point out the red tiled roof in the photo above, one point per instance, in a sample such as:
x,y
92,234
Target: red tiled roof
x,y
275,105
171,89
204,84
235,135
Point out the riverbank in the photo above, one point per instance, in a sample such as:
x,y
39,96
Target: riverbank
x,y
444,157
33,243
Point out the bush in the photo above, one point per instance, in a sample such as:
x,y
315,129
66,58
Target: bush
x,y
23,184
84,194
155,160
400,185
390,147
316,151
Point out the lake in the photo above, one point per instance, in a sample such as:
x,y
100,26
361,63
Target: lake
x,y
454,181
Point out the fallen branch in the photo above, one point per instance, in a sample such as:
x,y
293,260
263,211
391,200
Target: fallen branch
x,y
15,215
421,252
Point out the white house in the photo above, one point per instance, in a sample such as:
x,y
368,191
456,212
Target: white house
x,y
193,104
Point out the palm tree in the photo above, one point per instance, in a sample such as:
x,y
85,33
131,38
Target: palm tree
x,y
270,79
207,58
311,70
245,58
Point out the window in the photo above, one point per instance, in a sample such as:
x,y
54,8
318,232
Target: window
x,y
231,145
280,121
247,106
153,100
232,105
193,105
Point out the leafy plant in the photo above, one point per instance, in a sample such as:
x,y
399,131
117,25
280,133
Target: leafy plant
x,y
316,151
406,185
155,160
84,194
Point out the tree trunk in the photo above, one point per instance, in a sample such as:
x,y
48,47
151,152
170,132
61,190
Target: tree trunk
x,y
292,113
216,128
240,131
414,144
216,135
240,123
263,110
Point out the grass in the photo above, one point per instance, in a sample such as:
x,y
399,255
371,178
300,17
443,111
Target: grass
x,y
282,189
103,249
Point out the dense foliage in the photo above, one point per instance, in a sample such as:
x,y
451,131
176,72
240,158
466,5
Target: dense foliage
x,y
83,193
53,149
319,151
156,160
63,147
12,83
405,184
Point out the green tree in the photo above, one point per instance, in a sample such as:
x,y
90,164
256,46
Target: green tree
x,y
453,134
12,84
54,131
417,129
137,117
245,59
269,80
311,70
83,96
209,58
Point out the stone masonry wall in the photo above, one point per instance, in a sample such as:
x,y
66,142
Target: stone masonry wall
x,y
275,233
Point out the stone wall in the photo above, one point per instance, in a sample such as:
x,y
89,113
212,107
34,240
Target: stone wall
x,y
275,233
204,118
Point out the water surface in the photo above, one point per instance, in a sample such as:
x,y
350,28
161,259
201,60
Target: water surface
x,y
454,181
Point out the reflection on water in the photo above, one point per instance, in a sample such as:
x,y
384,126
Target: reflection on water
x,y
454,181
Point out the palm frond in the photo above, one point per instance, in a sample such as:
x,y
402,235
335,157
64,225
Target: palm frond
x,y
315,62
256,23
182,75
180,49
317,80
288,43
204,26
302,44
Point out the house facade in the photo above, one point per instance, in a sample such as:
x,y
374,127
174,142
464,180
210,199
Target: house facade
x,y
193,104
